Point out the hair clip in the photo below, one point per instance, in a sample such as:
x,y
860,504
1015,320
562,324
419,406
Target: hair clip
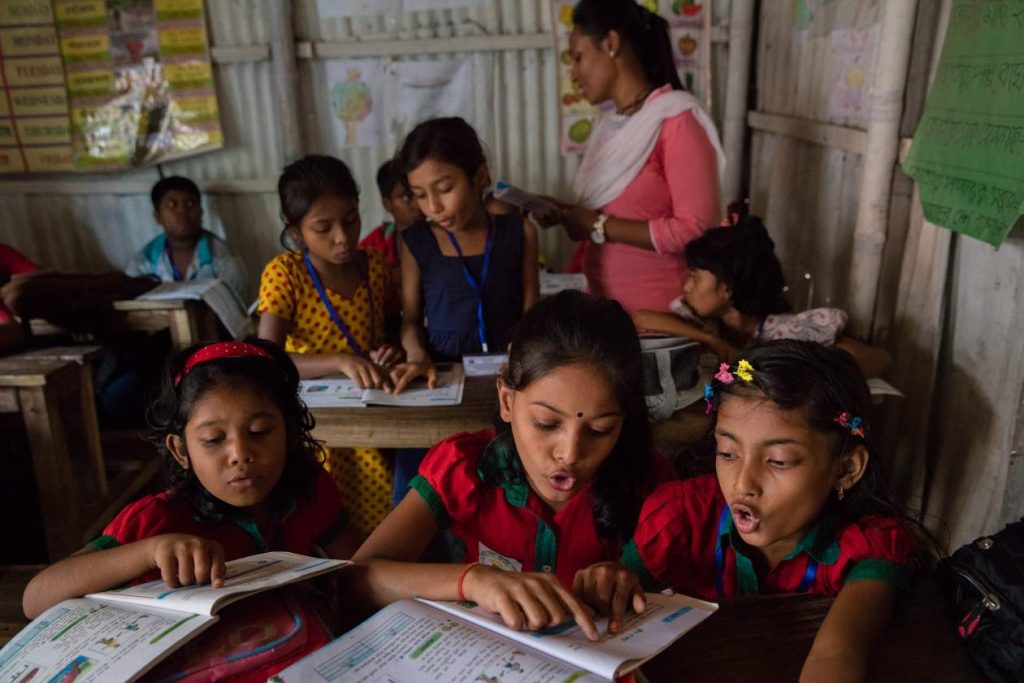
x,y
849,421
745,371
709,399
723,375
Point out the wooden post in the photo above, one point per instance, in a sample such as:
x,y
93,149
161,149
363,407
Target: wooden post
x,y
286,77
741,23
880,155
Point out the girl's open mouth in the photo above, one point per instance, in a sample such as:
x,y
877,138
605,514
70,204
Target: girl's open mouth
x,y
745,520
562,481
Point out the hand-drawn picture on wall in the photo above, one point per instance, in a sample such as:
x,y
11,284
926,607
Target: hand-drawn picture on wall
x,y
448,87
853,53
354,90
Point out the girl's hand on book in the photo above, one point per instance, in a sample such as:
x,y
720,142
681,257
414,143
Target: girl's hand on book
x,y
184,560
363,372
403,373
387,355
611,589
527,600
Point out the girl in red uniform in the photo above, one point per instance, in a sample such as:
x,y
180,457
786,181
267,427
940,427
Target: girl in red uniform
x,y
554,488
797,505
243,474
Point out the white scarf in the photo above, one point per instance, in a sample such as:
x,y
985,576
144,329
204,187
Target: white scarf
x,y
621,145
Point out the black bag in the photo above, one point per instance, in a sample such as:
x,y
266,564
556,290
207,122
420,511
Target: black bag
x,y
984,582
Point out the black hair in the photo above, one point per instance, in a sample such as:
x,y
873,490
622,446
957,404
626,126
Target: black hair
x,y
305,181
387,178
575,328
171,184
742,256
821,383
449,139
643,31
275,378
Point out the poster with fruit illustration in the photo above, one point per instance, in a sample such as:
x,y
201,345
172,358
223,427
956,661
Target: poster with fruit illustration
x,y
578,117
852,55
354,94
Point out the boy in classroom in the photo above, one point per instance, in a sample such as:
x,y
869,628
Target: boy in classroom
x,y
402,208
185,251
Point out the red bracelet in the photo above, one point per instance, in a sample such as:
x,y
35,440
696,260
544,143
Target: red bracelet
x,y
462,577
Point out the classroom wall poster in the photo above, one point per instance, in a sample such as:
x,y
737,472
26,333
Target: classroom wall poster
x,y
355,93
577,117
691,44
104,84
968,150
853,53
35,130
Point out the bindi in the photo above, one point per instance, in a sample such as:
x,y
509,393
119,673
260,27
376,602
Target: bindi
x,y
579,414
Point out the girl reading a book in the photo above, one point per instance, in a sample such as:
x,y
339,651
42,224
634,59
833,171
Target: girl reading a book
x,y
243,477
798,504
554,487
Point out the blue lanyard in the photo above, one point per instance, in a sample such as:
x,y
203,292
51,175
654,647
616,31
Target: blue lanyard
x,y
481,328
175,272
353,344
805,583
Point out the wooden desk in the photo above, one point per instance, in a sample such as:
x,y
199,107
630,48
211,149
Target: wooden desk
x,y
766,639
189,321
391,427
47,394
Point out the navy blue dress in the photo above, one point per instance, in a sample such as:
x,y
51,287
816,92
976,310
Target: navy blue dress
x,y
449,302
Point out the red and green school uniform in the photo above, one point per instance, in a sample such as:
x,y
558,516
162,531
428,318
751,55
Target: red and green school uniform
x,y
476,487
313,520
686,540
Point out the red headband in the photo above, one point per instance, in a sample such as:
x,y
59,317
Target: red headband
x,y
231,349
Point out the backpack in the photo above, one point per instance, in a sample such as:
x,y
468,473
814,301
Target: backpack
x,y
671,374
984,582
253,639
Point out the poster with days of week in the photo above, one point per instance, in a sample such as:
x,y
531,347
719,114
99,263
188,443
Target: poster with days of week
x,y
104,84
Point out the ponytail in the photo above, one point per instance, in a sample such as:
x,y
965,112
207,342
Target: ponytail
x,y
645,32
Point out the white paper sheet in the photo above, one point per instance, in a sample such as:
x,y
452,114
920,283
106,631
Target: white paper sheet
x,y
422,90
355,101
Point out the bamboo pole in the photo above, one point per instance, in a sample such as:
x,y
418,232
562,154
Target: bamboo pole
x,y
286,77
880,154
741,25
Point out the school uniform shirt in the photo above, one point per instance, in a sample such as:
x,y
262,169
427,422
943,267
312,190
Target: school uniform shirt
x,y
308,521
286,289
383,239
506,525
12,262
211,259
686,540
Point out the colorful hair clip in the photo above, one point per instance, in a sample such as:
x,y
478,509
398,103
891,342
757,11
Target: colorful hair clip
x,y
723,375
709,399
853,423
745,371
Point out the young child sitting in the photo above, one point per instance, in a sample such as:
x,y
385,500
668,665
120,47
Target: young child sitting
x,y
243,473
798,504
185,251
398,202
734,298
553,488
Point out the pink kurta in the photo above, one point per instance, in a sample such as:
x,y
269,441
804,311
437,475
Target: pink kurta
x,y
676,191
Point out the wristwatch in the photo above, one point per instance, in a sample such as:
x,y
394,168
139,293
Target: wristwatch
x,y
597,233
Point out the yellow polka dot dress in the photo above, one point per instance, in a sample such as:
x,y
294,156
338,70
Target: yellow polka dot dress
x,y
362,474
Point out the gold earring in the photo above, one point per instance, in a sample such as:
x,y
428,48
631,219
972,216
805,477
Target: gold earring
x,y
611,53
841,493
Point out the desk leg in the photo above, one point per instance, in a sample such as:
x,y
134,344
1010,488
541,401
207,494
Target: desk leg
x,y
182,325
91,429
58,495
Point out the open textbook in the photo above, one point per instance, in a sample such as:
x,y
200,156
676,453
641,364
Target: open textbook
x,y
344,393
121,634
417,640
221,299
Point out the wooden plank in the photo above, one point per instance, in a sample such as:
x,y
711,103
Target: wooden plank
x,y
850,139
396,48
44,187
148,305
240,54
8,400
16,372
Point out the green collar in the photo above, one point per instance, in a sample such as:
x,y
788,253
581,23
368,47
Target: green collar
x,y
247,523
818,541
500,466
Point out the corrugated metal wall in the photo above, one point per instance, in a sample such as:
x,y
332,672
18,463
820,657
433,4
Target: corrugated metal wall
x,y
67,224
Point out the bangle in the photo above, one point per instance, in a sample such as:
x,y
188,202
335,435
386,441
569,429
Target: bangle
x,y
462,577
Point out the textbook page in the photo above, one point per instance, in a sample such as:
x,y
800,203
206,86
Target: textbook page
x,y
86,640
245,576
409,641
331,393
214,293
666,618
448,392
